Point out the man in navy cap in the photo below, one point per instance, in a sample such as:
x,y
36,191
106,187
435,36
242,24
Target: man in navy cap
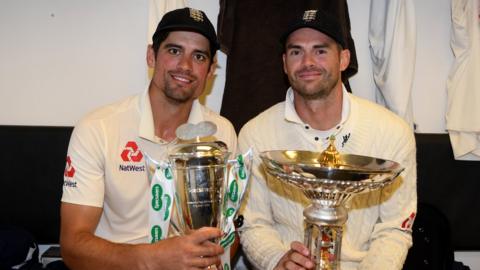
x,y
377,234
105,203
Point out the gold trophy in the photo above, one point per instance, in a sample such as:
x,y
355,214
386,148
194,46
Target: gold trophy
x,y
328,179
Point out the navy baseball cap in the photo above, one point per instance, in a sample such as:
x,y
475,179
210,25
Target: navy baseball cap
x,y
188,19
318,20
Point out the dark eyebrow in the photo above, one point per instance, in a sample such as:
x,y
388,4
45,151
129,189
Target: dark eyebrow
x,y
316,46
293,46
321,46
173,45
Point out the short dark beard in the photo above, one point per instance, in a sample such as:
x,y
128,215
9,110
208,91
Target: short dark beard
x,y
325,89
169,97
169,94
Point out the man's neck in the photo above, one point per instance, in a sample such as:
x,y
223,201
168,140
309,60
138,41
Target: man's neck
x,y
168,115
320,114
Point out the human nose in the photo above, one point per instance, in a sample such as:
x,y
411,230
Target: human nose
x,y
185,63
308,59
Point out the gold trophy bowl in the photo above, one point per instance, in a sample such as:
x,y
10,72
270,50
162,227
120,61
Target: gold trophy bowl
x,y
328,179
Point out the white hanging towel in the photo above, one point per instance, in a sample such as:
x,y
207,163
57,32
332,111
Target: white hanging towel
x,y
463,84
392,38
156,9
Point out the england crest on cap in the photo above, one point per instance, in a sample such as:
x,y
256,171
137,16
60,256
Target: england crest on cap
x,y
196,14
309,15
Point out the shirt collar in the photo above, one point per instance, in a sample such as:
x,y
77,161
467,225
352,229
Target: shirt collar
x,y
292,115
146,130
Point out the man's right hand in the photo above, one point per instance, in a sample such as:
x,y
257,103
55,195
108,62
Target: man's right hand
x,y
193,251
81,249
298,257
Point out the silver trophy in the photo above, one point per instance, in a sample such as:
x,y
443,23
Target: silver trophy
x,y
206,187
200,174
209,187
329,180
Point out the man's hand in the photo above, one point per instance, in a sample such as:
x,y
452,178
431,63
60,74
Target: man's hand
x,y
193,251
81,249
297,258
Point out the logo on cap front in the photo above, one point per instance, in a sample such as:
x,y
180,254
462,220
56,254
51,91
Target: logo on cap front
x,y
196,15
309,15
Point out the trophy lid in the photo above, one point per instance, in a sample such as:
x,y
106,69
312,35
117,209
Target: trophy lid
x,y
186,151
196,145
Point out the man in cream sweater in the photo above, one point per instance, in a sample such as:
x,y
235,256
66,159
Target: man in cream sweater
x,y
377,234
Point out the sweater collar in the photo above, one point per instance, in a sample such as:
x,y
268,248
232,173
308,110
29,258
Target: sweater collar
x,y
292,115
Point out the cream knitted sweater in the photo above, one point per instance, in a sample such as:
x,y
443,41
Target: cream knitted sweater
x,y
374,237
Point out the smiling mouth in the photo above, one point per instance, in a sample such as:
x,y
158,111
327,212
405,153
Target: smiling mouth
x,y
309,75
182,78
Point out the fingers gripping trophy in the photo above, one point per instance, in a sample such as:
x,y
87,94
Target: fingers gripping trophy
x,y
328,179
206,188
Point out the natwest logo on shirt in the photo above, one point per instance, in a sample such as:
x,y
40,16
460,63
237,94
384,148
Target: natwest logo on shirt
x,y
69,169
408,222
131,152
69,173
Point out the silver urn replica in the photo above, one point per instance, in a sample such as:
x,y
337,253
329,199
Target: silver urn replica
x,y
329,179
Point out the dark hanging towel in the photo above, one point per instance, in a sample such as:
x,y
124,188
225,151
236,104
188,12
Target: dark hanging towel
x,y
249,33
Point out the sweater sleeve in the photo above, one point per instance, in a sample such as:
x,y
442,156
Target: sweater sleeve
x,y
392,38
391,237
260,241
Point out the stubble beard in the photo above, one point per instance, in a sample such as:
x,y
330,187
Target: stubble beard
x,y
178,94
319,90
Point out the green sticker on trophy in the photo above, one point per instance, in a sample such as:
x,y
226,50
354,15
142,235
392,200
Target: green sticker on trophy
x,y
207,192
157,193
162,190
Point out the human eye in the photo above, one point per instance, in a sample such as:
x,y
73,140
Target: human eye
x,y
321,51
200,57
173,51
294,52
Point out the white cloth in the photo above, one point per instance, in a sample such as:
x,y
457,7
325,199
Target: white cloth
x,y
373,235
156,10
463,85
105,156
392,38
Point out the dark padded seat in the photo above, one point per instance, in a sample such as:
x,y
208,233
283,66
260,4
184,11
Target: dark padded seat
x,y
33,161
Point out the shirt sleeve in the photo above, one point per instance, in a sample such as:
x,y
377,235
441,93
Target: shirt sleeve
x,y
392,37
84,174
391,237
260,240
